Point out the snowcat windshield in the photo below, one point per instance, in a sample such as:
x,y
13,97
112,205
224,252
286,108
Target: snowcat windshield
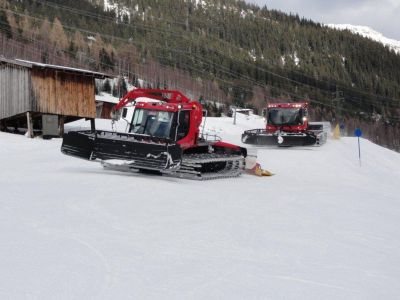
x,y
284,116
152,122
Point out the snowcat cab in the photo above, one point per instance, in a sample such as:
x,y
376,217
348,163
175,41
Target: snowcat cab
x,y
176,123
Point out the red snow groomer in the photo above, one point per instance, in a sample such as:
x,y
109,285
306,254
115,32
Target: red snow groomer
x,y
163,136
287,125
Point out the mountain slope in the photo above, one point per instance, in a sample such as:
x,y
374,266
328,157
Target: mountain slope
x,y
368,32
322,227
266,46
221,51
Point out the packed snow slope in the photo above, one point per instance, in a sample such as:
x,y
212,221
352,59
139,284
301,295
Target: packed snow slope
x,y
322,228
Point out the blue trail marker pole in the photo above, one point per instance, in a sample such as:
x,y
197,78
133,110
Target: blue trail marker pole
x,y
358,133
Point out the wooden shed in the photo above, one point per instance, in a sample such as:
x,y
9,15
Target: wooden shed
x,y
33,95
104,105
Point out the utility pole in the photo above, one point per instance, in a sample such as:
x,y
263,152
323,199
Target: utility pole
x,y
119,80
337,103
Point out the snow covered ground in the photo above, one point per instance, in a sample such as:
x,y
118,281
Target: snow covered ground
x,y
322,228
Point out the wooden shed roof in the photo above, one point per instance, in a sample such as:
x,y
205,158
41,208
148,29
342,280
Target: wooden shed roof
x,y
31,64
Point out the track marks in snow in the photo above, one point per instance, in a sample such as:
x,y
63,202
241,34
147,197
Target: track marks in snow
x,y
312,282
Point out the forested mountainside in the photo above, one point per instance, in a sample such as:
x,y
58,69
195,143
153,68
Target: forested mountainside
x,y
223,50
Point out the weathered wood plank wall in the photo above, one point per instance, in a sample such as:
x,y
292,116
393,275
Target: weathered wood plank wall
x,y
106,111
62,93
14,90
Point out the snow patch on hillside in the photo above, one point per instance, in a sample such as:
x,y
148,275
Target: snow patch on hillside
x,y
296,59
247,13
120,10
221,6
370,33
201,3
252,54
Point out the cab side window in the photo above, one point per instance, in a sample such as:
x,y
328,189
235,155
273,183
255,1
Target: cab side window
x,y
184,124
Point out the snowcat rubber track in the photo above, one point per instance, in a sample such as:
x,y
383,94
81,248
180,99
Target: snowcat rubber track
x,y
202,166
141,151
286,139
206,166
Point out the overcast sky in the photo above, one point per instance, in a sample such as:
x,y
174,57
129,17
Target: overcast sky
x,y
381,15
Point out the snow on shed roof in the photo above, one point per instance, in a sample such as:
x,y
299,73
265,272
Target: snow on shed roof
x,y
30,64
105,97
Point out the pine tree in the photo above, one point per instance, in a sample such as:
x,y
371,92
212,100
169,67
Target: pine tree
x,y
95,49
26,27
105,60
79,41
106,86
58,36
122,88
12,23
115,91
44,31
4,25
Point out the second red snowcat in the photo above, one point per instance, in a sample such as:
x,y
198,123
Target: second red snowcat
x,y
287,125
163,136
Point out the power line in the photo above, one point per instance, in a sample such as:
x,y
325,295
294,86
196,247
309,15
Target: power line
x,y
86,13
173,49
112,66
188,66
170,49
